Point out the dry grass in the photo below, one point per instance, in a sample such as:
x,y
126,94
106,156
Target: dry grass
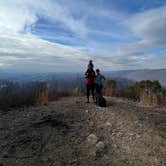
x,y
38,94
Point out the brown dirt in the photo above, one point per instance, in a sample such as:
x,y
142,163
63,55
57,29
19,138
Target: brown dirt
x,y
124,134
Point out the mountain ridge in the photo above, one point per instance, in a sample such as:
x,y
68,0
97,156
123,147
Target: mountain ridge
x,y
133,75
138,75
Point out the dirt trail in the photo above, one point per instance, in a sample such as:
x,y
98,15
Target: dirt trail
x,y
71,132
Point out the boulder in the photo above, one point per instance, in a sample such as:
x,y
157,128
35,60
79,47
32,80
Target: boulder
x,y
92,139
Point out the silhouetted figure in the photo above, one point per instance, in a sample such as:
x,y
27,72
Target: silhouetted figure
x,y
90,65
90,76
98,89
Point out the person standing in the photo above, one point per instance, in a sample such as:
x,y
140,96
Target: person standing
x,y
98,84
90,77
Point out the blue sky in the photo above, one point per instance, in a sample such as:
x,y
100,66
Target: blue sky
x,y
62,35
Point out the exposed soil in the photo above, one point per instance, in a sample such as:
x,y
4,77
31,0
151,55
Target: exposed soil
x,y
72,132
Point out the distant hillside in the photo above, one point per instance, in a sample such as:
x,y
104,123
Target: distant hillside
x,y
123,77
138,75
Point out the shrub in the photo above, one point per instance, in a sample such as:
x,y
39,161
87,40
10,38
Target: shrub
x,y
14,95
147,92
134,91
24,95
110,88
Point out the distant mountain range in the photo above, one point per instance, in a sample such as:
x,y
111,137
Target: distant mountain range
x,y
138,75
128,75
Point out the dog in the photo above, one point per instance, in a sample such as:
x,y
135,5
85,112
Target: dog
x,y
101,101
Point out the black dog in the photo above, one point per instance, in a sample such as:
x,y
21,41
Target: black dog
x,y
101,101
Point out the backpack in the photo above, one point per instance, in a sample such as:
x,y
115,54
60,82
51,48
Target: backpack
x,y
101,101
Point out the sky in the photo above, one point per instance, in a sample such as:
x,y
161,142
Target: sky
x,y
63,35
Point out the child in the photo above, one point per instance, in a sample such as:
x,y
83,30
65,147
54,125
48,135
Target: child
x,y
90,65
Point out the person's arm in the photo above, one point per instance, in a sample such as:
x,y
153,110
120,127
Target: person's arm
x,y
86,74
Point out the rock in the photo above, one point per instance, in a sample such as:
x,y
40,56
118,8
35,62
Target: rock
x,y
73,161
100,149
92,139
95,148
100,145
108,124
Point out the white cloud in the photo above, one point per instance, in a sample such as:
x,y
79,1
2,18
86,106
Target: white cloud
x,y
17,15
28,49
14,17
150,26
20,49
2,64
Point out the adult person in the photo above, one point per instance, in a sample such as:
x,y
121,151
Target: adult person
x,y
99,85
90,76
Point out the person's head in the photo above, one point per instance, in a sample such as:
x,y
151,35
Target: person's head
x,y
90,61
97,71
